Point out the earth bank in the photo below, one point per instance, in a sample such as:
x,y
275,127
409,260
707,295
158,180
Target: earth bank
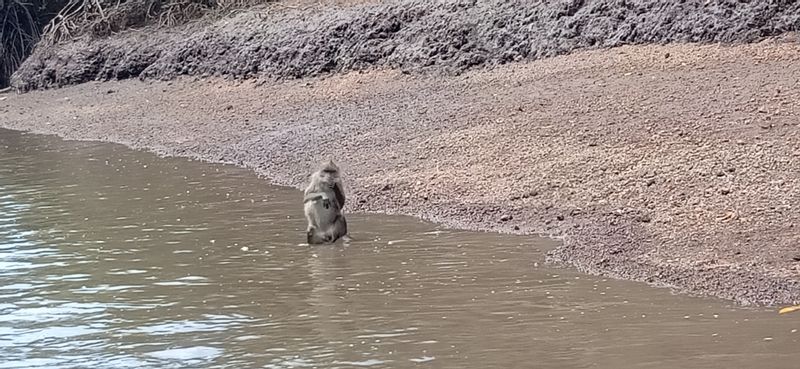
x,y
303,38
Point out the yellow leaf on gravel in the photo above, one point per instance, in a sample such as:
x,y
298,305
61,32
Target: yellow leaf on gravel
x,y
789,309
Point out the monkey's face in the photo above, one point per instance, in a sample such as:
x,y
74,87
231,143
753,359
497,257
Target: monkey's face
x,y
328,177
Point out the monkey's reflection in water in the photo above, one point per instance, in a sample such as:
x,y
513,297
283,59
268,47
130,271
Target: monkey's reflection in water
x,y
335,322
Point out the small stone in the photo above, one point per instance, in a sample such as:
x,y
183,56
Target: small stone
x,y
516,228
386,187
229,107
651,182
506,217
666,56
724,191
110,91
796,257
559,217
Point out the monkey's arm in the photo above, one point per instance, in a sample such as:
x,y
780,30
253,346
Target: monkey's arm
x,y
314,196
337,191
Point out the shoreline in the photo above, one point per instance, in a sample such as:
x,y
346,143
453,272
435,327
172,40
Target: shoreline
x,y
670,165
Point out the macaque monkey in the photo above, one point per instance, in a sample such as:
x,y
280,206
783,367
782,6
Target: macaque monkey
x,y
323,202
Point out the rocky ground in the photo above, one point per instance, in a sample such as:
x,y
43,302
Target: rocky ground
x,y
674,165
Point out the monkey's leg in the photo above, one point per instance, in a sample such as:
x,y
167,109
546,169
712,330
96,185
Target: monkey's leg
x,y
314,237
310,236
338,228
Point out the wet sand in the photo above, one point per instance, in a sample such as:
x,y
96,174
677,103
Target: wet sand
x,y
672,165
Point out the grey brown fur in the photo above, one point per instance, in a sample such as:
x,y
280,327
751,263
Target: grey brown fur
x,y
323,201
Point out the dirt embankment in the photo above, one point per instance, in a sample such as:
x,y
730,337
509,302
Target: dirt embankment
x,y
675,165
293,39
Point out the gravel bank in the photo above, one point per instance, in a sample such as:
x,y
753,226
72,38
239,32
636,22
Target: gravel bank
x,y
674,165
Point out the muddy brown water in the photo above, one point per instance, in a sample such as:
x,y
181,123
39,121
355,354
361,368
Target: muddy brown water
x,y
113,258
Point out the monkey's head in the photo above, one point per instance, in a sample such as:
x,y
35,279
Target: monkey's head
x,y
327,173
329,167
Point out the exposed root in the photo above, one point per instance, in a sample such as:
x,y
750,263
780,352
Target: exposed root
x,y
105,17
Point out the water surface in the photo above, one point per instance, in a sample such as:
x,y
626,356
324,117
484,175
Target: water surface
x,y
112,258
